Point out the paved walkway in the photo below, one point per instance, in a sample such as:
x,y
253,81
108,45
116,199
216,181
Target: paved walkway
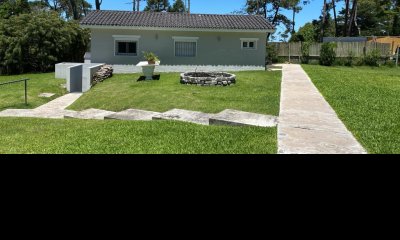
x,y
52,109
307,123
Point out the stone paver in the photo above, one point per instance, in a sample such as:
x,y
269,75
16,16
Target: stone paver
x,y
239,118
307,123
52,109
91,113
60,103
132,115
185,116
46,95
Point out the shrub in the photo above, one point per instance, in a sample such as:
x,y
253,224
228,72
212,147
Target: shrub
x,y
36,41
272,54
390,64
372,58
151,57
305,52
340,62
328,55
350,59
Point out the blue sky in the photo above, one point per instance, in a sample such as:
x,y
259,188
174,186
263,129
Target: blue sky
x,y
309,12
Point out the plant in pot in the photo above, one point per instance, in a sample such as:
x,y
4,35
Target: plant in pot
x,y
151,57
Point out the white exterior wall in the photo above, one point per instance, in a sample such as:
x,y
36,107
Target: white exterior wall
x,y
213,48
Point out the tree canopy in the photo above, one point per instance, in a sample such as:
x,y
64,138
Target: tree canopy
x,y
35,37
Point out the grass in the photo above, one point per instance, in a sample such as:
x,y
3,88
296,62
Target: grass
x,y
12,96
366,100
255,91
42,136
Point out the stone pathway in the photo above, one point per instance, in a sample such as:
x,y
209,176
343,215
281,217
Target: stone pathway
x,y
307,123
56,109
239,118
133,115
185,116
52,109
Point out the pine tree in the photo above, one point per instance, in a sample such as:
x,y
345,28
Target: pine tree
x,y
179,6
157,5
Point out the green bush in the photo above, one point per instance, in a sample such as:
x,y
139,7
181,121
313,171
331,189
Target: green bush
x,y
272,54
350,59
305,52
372,58
328,55
35,42
340,62
390,64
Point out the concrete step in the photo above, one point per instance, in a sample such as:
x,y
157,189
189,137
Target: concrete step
x,y
239,118
133,115
185,116
91,113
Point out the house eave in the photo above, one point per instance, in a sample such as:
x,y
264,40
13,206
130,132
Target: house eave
x,y
177,29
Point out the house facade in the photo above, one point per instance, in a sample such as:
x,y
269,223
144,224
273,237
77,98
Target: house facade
x,y
120,37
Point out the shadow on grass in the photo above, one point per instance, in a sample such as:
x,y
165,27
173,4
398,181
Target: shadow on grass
x,y
143,78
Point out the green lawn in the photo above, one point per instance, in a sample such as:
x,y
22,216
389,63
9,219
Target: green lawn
x,y
367,100
255,91
22,135
12,96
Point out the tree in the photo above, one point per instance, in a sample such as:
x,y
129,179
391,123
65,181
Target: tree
x,y
98,4
10,8
157,5
305,33
179,6
36,41
334,17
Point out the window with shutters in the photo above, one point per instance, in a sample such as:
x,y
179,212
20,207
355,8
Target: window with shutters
x,y
185,46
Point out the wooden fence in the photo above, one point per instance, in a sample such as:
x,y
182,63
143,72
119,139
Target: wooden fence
x,y
343,49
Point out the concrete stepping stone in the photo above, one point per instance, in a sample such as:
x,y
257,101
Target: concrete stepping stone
x,y
185,116
46,95
133,115
17,113
239,118
91,113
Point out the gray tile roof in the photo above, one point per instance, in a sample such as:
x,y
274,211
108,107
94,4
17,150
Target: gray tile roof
x,y
176,20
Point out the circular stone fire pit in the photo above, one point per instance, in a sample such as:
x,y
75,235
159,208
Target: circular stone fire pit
x,y
208,78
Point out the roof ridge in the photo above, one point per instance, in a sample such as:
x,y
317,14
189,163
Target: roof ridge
x,y
176,20
177,13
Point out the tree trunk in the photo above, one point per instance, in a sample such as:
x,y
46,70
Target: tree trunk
x,y
74,9
346,17
274,19
334,16
294,16
98,4
352,18
323,21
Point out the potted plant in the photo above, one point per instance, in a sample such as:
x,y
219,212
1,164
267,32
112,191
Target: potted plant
x,y
150,57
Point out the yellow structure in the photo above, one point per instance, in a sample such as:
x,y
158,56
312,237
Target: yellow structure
x,y
392,40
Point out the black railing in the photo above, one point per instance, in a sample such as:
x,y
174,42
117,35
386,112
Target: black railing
x,y
26,87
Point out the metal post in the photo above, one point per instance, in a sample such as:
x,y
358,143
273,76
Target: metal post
x,y
397,57
289,52
26,94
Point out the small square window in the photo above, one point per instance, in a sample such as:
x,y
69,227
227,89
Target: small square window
x,y
249,44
